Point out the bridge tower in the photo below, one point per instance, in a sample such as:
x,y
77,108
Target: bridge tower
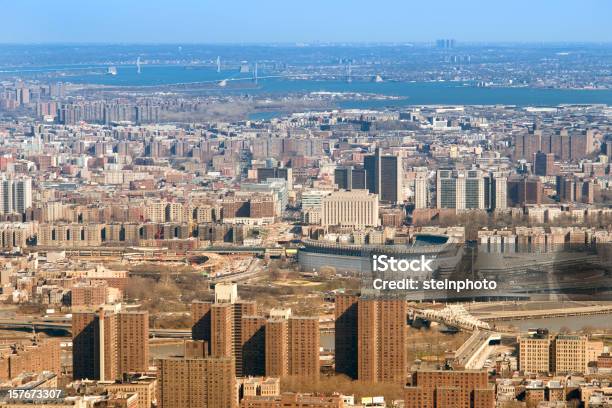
x,y
349,72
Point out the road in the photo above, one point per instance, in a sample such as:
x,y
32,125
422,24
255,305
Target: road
x,y
66,324
253,270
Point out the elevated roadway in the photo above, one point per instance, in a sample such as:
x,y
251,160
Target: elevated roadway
x,y
65,325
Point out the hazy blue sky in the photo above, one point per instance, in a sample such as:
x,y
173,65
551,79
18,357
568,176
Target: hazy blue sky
x,y
203,21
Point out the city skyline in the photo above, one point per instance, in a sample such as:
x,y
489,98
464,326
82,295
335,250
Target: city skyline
x,y
390,21
368,204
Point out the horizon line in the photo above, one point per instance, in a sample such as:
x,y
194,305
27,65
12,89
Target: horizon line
x,y
458,43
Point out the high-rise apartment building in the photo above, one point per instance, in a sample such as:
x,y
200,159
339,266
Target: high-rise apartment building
x,y
564,144
524,190
534,352
381,342
496,191
70,235
540,352
569,354
197,383
574,189
544,164
421,192
94,345
345,329
527,144
200,322
461,190
292,347
89,294
155,211
15,194
132,339
240,343
499,193
253,345
449,389
277,347
175,212
29,357
221,330
303,350
367,341
450,190
220,325
107,343
474,190
285,173
560,144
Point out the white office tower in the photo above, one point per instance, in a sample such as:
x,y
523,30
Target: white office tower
x,y
421,192
15,194
499,194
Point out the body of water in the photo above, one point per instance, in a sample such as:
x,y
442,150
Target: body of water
x,y
266,115
408,93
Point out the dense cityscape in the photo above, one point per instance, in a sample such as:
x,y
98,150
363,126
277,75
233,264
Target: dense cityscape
x,y
309,225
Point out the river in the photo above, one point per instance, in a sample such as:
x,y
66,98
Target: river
x,y
407,93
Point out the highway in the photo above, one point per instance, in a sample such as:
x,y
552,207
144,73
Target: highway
x,y
41,324
474,352
253,270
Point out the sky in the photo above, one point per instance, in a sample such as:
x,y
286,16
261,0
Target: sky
x,y
296,21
